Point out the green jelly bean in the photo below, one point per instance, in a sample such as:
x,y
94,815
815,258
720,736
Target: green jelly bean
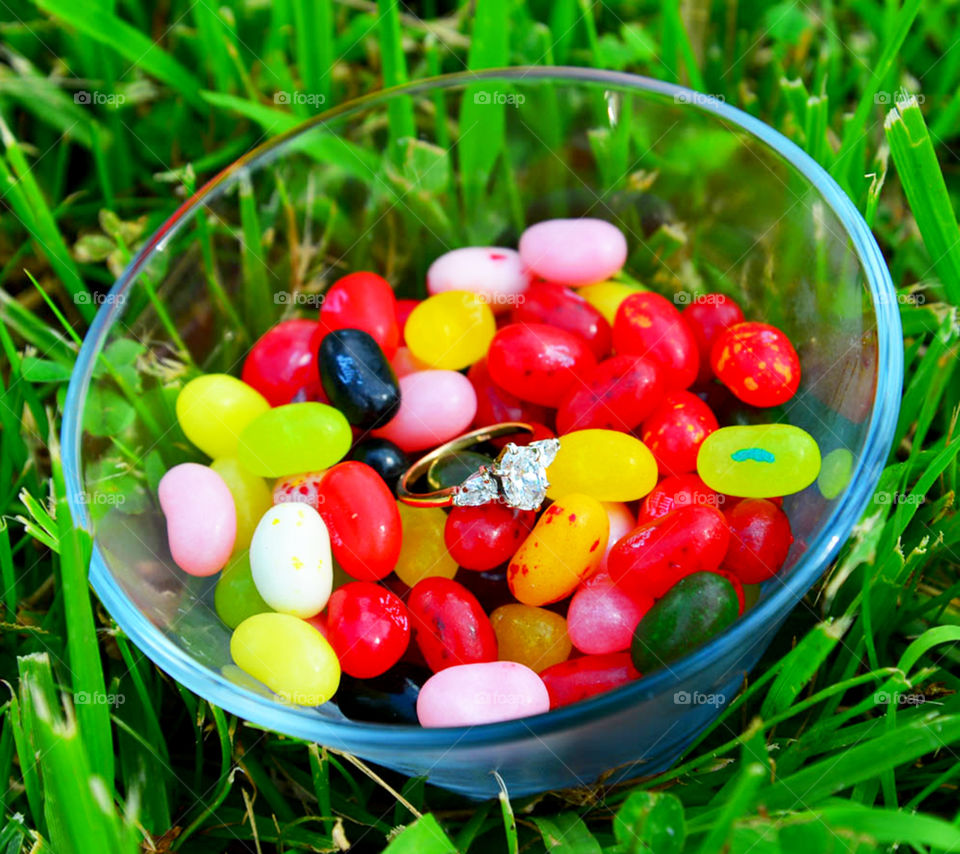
x,y
835,473
294,438
691,612
759,461
235,596
455,469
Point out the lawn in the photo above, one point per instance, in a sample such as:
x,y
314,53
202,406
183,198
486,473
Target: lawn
x,y
847,735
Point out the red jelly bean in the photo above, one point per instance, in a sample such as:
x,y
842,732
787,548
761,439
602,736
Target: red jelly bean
x,y
757,363
537,362
368,628
282,365
449,625
708,317
362,518
481,538
737,587
303,488
682,490
559,306
363,301
647,324
760,538
616,395
404,309
675,430
603,615
657,554
496,405
579,678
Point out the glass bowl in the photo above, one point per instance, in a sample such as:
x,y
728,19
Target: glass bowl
x,y
711,199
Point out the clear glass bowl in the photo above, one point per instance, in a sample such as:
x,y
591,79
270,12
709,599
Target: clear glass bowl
x,y
710,198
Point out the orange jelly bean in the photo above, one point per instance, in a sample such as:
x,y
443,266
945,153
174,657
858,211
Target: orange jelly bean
x,y
531,636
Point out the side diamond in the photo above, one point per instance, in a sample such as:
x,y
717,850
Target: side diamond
x,y
479,488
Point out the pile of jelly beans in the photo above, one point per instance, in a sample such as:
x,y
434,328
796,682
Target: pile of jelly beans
x,y
658,524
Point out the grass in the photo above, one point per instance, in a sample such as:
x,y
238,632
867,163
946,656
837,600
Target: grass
x,y
817,753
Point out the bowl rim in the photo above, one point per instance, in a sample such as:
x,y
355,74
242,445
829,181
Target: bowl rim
x,y
354,736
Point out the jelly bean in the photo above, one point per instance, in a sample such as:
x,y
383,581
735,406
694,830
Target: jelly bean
x,y
362,519
290,560
404,362
648,324
738,587
481,538
657,554
213,410
294,438
283,362
319,622
602,616
676,429
364,301
608,465
385,458
555,305
404,308
449,625
531,636
201,518
616,395
622,522
369,628
537,362
759,461
760,538
450,330
299,488
287,655
454,469
492,272
566,546
485,693
835,473
251,497
496,405
606,297
388,699
490,587
423,553
357,378
757,363
682,490
584,677
694,610
235,596
573,251
708,316
435,406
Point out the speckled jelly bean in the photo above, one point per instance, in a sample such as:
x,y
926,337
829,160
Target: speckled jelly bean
x,y
676,429
760,539
450,330
294,438
385,458
358,378
606,464
481,538
558,306
369,628
573,251
496,405
648,324
759,460
299,488
363,300
708,316
757,363
622,522
251,497
682,490
423,552
483,693
586,676
602,615
531,636
282,365
565,547
213,410
235,596
657,554
694,610
435,406
201,518
492,272
287,655
290,560
387,699
606,297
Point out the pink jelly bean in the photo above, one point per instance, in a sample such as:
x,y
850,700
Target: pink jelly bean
x,y
622,522
469,694
404,362
201,518
601,617
573,251
435,406
495,273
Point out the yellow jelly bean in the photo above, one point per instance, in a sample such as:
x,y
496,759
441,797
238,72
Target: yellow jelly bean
x,y
214,409
606,464
251,497
289,656
423,552
835,473
606,297
759,460
450,330
564,547
531,636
